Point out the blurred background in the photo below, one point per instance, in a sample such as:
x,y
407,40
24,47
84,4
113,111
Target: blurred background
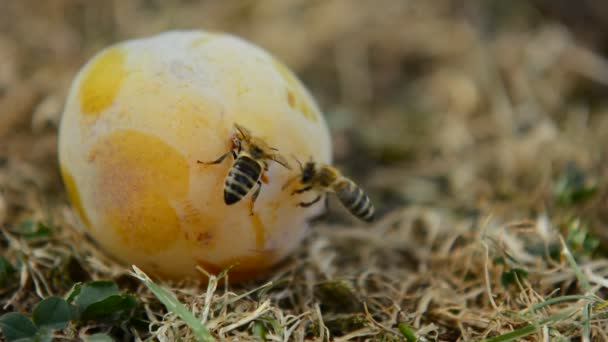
x,y
464,104
456,116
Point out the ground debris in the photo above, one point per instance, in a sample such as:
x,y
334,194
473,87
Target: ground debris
x,y
478,129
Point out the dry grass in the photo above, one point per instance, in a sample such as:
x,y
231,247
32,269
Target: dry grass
x,y
483,109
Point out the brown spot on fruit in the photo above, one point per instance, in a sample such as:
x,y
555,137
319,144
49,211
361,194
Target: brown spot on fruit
x,y
295,93
139,177
204,238
291,99
190,215
198,229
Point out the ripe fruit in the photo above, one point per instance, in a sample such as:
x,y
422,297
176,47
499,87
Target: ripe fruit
x,y
138,117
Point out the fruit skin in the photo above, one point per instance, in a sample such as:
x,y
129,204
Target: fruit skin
x,y
138,117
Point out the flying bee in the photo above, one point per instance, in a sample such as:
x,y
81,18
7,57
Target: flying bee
x,y
324,179
251,155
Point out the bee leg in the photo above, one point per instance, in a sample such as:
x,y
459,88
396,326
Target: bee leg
x,y
220,159
322,215
308,204
255,196
299,191
237,146
289,182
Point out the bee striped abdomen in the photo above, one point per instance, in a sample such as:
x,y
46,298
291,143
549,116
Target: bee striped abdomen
x,y
241,178
355,200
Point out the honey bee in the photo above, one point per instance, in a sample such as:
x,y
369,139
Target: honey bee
x,y
324,179
251,155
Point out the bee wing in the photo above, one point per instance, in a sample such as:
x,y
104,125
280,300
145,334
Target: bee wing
x,y
281,160
244,132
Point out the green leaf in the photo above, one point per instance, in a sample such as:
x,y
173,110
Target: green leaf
x,y
94,292
276,327
109,306
6,269
52,313
579,240
17,326
173,304
573,187
259,330
407,332
31,229
98,338
43,335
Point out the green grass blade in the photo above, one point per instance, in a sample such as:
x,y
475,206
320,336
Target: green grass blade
x,y
529,329
170,301
559,300
577,270
513,335
586,335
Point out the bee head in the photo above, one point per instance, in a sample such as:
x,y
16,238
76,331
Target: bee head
x,y
236,143
308,172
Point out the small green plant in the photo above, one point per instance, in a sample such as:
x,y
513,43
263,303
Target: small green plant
x,y
407,332
259,330
101,300
97,300
31,229
338,296
588,308
16,326
168,298
512,276
573,187
579,240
